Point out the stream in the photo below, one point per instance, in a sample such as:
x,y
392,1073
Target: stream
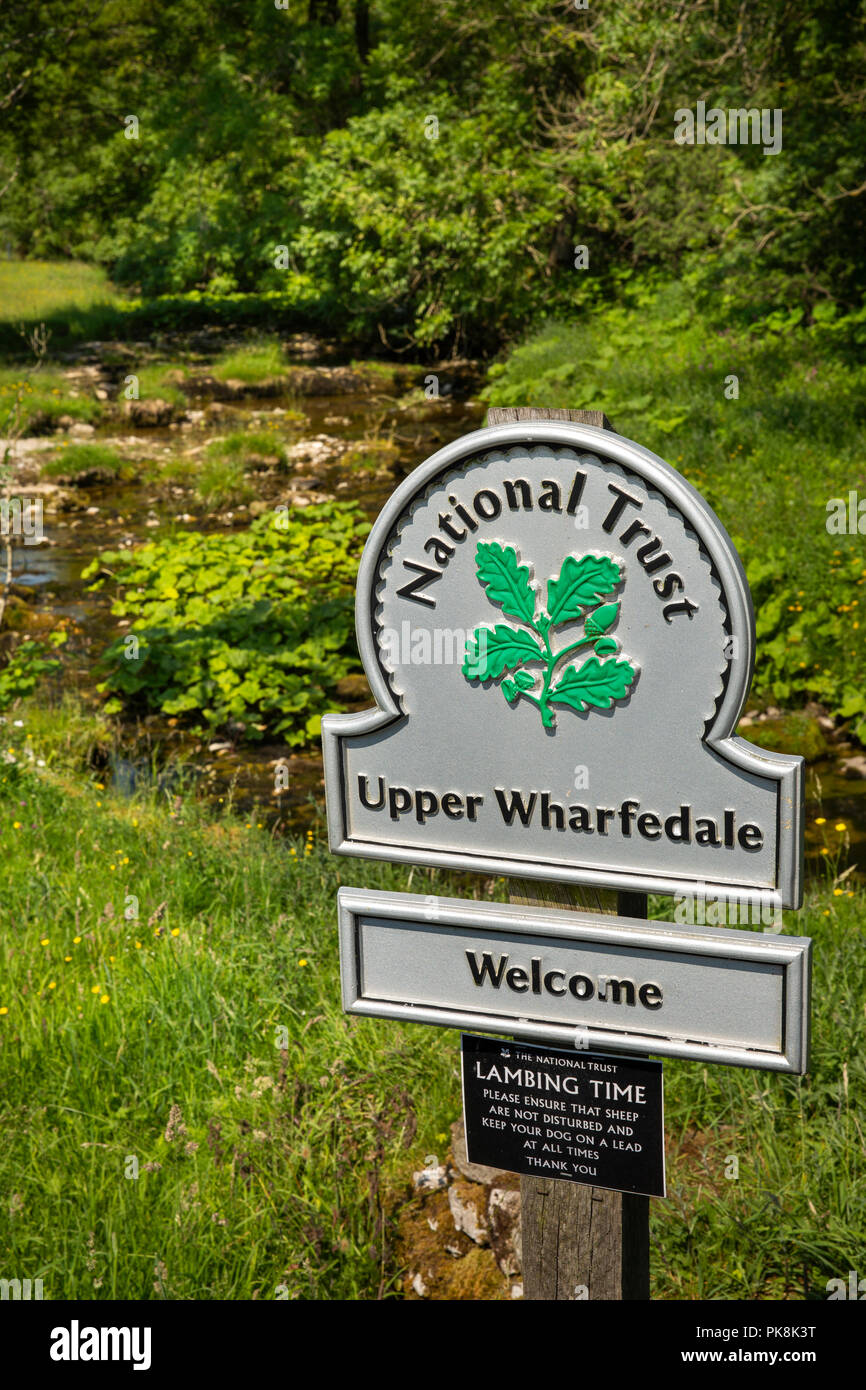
x,y
402,429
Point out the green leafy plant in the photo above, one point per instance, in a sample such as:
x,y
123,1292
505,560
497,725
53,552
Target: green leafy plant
x,y
25,668
573,596
252,629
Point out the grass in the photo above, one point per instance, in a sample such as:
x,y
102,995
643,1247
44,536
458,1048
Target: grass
x,y
76,302
160,382
77,460
250,446
220,481
30,290
170,1007
160,956
219,477
34,401
768,461
260,361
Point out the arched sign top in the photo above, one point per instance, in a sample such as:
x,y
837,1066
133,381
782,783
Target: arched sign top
x,y
559,636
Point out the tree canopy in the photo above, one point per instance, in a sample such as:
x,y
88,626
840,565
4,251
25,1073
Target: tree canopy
x,y
429,169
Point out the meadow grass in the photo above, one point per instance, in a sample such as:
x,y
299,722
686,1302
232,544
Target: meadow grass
x,y
30,290
171,1007
219,476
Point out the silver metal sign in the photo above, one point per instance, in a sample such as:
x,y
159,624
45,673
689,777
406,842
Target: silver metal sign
x,y
712,995
559,637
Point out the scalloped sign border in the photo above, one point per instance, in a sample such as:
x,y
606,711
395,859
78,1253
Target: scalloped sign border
x,y
719,733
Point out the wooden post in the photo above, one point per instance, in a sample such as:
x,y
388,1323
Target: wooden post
x,y
579,1241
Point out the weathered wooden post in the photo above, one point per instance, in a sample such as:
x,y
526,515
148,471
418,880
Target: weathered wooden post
x,y
540,592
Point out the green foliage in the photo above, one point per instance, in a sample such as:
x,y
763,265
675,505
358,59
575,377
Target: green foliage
x,y
359,167
160,381
769,461
252,628
246,445
29,662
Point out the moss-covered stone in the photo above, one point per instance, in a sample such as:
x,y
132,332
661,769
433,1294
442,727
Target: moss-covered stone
x,y
797,732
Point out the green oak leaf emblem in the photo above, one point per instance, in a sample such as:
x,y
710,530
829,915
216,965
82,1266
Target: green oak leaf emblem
x,y
503,653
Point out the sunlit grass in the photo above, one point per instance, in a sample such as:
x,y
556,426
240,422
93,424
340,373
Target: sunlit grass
x,y
260,361
30,289
34,400
77,459
170,1006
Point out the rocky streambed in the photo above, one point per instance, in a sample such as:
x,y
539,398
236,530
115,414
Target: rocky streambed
x,y
147,460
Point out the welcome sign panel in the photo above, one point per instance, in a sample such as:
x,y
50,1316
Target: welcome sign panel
x,y
559,636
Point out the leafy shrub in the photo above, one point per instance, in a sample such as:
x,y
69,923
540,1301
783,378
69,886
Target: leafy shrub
x,y
253,628
25,668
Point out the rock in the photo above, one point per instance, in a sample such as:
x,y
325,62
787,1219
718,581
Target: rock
x,y
468,1211
475,1172
302,345
418,1286
503,1214
258,508
797,732
148,414
320,449
516,1290
432,1179
854,767
89,477
331,381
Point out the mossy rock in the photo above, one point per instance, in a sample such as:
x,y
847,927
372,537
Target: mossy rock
x,y
790,733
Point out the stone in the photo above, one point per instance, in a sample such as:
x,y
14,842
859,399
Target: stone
x,y
320,449
854,767
432,1179
474,1172
468,1210
148,414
